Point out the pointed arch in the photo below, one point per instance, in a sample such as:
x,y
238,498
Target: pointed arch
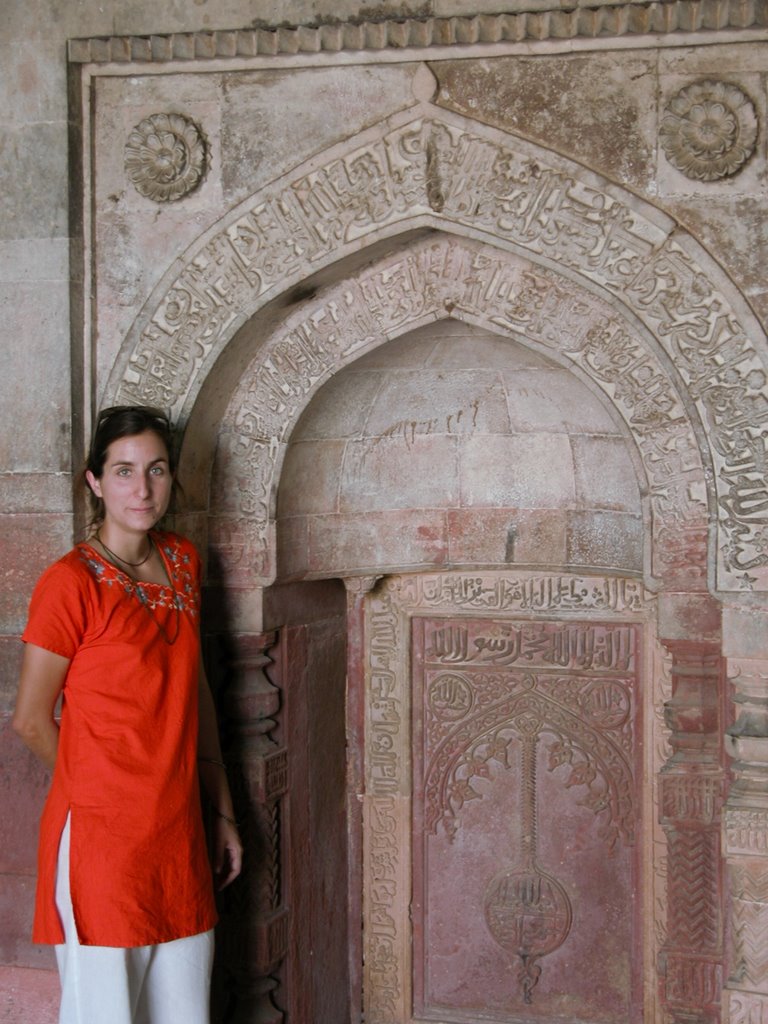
x,y
425,168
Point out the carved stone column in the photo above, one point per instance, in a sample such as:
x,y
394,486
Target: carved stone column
x,y
746,845
691,798
357,587
253,932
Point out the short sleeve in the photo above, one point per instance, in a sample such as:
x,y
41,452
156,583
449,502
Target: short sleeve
x,y
57,611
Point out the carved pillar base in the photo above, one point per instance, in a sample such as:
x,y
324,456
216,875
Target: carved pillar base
x,y
255,1004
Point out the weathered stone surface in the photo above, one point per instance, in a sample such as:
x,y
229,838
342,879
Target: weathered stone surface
x,y
34,260
33,201
400,472
369,540
29,994
520,471
438,402
35,437
734,228
312,478
23,785
17,894
545,100
36,492
690,617
551,400
606,539
28,543
605,476
491,536
256,109
11,650
502,442
292,546
745,631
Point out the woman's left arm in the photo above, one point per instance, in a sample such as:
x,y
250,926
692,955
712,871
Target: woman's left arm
x,y
227,848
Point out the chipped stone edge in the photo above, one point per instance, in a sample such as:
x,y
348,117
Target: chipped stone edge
x,y
659,17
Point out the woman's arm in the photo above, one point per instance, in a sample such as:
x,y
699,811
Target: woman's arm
x,y
41,682
227,848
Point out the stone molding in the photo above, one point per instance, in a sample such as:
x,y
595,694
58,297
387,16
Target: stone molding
x,y
588,23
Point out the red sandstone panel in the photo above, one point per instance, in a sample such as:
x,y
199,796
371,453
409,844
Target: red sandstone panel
x,y
526,761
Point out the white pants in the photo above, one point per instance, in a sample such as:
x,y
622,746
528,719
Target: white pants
x,y
162,984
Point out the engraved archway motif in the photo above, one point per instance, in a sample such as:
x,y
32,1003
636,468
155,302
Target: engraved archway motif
x,y
527,908
526,781
430,168
596,758
509,295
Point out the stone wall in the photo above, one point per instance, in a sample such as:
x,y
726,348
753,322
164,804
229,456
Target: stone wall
x,y
606,111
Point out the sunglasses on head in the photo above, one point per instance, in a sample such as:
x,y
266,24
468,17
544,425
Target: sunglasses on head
x,y
147,410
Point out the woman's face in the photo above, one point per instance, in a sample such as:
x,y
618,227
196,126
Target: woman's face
x,y
135,484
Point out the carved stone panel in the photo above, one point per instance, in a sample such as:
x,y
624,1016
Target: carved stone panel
x,y
525,812
512,865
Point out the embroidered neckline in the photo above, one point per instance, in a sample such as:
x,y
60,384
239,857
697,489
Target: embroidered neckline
x,y
177,594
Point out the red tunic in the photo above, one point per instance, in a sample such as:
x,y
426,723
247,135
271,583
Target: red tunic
x,y
126,768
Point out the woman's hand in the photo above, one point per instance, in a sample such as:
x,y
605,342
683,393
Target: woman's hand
x,y
227,851
227,848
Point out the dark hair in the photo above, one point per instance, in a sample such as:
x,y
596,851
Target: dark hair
x,y
120,421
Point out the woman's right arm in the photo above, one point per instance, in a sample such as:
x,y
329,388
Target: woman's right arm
x,y
42,678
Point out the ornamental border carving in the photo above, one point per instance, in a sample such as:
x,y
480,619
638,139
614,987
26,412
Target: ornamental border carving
x,y
388,772
619,20
433,169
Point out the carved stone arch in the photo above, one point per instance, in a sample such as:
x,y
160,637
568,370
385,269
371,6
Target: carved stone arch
x,y
512,296
428,168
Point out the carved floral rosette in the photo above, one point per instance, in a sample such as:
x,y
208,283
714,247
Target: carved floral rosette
x,y
165,157
709,130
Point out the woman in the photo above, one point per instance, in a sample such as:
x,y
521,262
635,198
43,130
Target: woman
x,y
124,883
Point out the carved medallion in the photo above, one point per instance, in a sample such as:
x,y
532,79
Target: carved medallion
x,y
529,914
450,696
709,130
165,157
